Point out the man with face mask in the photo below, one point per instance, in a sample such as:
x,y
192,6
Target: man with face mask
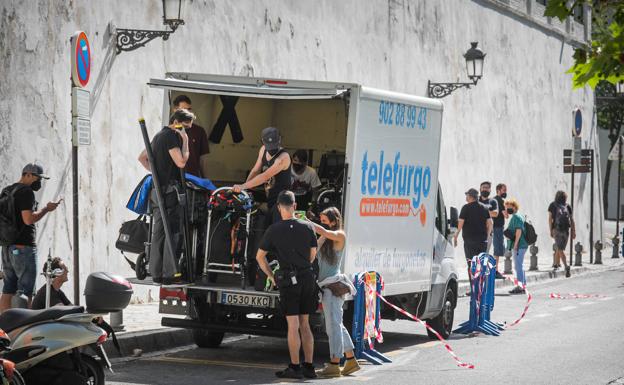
x,y
498,239
272,169
490,204
19,259
305,179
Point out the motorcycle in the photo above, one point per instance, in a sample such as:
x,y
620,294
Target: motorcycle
x,y
8,374
50,345
62,345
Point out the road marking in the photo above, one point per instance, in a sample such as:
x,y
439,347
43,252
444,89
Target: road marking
x,y
542,315
605,299
587,303
567,308
195,361
429,344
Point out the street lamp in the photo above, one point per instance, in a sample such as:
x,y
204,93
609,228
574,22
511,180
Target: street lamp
x,y
474,69
131,39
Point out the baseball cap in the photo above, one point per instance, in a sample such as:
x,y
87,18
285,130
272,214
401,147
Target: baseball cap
x,y
473,193
271,138
35,169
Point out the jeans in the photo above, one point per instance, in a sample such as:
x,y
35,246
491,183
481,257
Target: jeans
x,y
339,338
518,259
498,241
20,269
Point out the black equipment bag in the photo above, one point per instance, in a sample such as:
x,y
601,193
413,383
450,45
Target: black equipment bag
x,y
133,235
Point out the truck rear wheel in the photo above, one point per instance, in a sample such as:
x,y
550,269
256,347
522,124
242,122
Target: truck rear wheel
x,y
443,322
207,338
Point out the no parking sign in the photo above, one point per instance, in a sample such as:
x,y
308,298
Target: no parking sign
x,y
80,59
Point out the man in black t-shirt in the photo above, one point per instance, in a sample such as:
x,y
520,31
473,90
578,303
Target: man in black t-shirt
x,y
562,226
475,224
485,189
171,152
19,259
57,297
294,243
498,238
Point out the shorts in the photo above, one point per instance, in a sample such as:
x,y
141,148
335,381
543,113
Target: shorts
x,y
499,242
561,239
19,264
473,248
301,298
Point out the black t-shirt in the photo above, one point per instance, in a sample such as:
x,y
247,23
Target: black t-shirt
x,y
57,297
499,221
552,208
24,200
291,240
278,182
475,217
489,204
165,168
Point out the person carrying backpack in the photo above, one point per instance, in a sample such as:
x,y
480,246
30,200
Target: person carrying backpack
x,y
517,242
561,225
18,215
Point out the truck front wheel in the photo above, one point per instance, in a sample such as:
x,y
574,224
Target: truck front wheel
x,y
443,322
207,338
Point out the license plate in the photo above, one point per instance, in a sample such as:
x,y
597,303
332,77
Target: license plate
x,y
245,300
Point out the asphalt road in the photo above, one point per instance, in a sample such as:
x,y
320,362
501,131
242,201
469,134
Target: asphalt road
x,y
567,341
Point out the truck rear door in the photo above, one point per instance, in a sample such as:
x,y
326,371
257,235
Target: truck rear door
x,y
393,154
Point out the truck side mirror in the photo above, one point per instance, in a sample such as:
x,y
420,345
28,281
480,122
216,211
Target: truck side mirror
x,y
452,223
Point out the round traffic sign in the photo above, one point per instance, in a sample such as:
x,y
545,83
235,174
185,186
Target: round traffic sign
x,y
80,59
578,122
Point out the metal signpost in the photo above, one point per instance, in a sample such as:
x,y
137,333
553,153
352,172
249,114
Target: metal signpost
x,y
616,154
81,132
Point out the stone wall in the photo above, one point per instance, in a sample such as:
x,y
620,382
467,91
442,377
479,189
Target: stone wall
x,y
511,127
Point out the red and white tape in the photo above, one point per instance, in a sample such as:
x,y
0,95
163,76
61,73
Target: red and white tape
x,y
528,302
575,296
446,345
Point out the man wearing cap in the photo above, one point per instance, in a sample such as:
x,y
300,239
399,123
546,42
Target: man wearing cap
x,y
19,258
476,223
272,169
294,243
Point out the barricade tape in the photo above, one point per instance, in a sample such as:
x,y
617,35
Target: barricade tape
x,y
526,306
446,345
370,315
575,296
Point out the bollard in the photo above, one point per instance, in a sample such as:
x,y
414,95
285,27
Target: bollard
x,y
598,246
578,257
616,244
116,321
533,250
508,262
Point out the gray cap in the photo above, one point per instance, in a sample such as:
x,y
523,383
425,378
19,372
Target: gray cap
x,y
473,193
35,169
271,138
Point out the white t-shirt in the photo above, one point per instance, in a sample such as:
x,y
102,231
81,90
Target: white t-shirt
x,y
306,181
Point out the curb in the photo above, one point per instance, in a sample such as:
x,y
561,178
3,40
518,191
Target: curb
x,y
148,341
464,286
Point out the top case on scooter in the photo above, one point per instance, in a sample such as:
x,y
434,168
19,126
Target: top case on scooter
x,y
106,292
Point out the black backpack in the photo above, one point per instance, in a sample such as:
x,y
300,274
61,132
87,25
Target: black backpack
x,y
529,232
562,218
9,228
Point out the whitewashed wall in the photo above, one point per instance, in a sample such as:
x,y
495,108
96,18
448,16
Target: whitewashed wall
x,y
512,127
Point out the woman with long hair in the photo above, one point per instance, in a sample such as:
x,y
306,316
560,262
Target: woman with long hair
x,y
331,249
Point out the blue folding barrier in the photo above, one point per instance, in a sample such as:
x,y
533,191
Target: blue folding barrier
x,y
362,348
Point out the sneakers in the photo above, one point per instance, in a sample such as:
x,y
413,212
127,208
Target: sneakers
x,y
308,370
517,290
351,366
567,269
330,370
499,275
291,372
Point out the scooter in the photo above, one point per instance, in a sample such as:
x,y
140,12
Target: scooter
x,y
50,346
8,374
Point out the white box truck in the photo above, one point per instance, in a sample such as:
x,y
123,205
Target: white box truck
x,y
378,153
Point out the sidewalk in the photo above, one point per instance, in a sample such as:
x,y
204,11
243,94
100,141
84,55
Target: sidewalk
x,y
142,321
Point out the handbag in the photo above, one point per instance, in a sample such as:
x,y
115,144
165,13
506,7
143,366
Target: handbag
x,y
509,234
133,235
338,288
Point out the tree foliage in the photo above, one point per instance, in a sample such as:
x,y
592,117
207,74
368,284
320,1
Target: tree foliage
x,y
604,58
